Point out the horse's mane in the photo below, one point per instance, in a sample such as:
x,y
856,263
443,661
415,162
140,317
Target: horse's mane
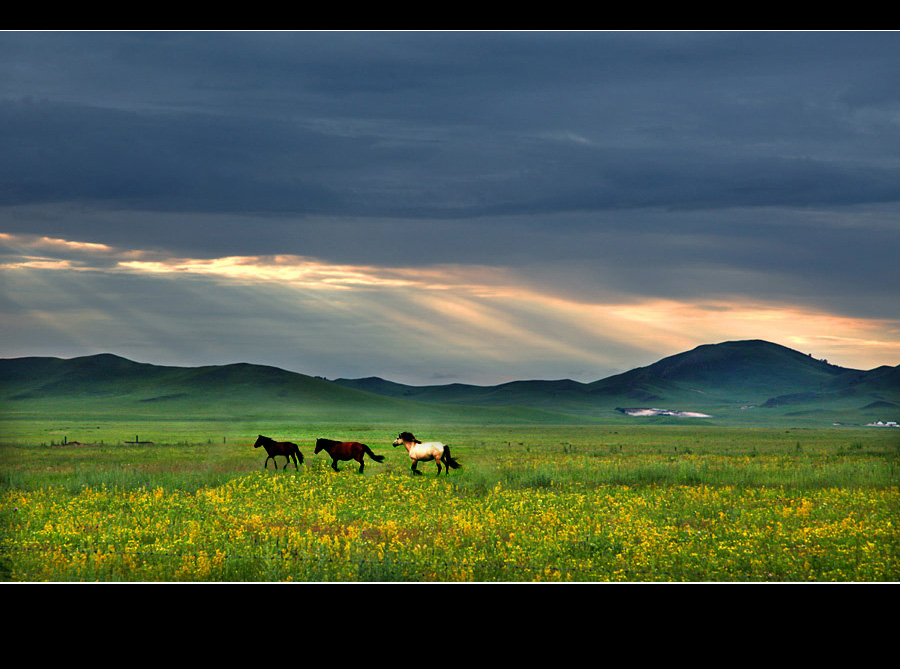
x,y
326,441
408,436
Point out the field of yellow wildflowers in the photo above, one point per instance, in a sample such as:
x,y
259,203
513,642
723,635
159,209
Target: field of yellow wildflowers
x,y
530,504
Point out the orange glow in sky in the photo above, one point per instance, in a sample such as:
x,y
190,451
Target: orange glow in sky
x,y
488,310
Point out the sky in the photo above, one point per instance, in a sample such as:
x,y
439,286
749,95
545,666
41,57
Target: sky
x,y
449,206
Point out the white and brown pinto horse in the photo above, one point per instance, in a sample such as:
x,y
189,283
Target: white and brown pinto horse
x,y
431,450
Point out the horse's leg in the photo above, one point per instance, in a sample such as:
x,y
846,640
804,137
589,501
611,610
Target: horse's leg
x,y
438,463
414,470
266,464
334,465
296,466
362,465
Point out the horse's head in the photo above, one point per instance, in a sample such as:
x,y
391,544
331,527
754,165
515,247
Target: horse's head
x,y
320,444
259,441
406,438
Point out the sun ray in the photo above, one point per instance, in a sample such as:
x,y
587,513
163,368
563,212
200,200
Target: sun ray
x,y
438,311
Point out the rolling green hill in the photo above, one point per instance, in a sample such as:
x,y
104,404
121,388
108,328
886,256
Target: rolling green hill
x,y
108,386
741,380
735,382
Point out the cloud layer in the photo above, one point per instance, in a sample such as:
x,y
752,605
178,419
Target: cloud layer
x,y
529,203
427,325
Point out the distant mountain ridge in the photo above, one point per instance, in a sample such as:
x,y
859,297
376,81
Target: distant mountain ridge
x,y
107,385
742,374
727,381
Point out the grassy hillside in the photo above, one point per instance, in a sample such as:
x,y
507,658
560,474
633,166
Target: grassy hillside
x,y
742,371
110,388
749,382
744,381
563,395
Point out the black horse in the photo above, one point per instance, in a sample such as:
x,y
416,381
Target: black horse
x,y
286,448
346,450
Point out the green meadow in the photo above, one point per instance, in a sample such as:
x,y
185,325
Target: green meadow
x,y
120,471
625,501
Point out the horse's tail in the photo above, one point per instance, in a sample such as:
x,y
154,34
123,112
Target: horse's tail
x,y
368,451
448,460
298,453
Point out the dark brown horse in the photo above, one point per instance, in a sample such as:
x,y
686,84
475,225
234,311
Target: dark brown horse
x,y
286,448
346,450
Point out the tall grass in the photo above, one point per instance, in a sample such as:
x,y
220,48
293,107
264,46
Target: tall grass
x,y
552,503
517,457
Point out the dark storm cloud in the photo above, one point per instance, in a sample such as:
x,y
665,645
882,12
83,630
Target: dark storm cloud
x,y
191,162
63,152
600,168
448,125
